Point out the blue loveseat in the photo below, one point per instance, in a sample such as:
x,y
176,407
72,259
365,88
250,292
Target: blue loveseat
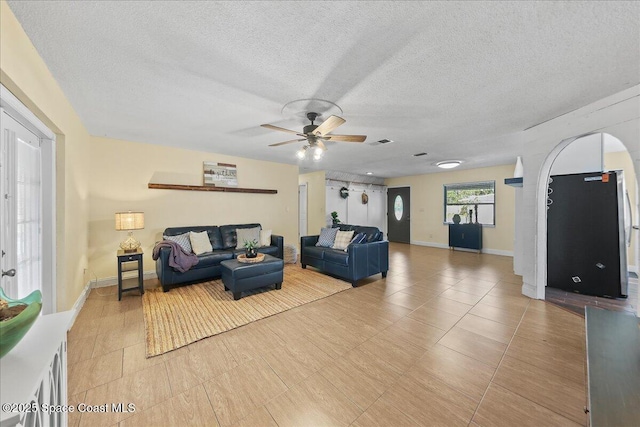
x,y
357,262
223,240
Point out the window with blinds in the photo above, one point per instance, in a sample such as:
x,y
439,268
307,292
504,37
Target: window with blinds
x,y
473,201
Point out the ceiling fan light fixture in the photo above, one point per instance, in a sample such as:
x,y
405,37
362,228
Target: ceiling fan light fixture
x,y
315,135
302,153
449,164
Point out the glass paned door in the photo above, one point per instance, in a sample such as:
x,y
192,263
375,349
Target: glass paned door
x,y
21,209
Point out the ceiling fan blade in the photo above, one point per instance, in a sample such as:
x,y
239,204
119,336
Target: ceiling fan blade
x,y
272,127
345,138
328,125
286,142
321,145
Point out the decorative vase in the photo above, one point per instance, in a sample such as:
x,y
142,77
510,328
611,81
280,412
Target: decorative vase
x,y
456,219
251,253
519,170
13,330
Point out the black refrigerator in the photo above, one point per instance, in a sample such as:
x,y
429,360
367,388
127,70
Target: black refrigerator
x,y
586,236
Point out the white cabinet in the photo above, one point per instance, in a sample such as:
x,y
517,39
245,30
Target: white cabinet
x,y
33,375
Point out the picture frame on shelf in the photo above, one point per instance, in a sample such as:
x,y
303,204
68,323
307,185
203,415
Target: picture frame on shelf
x,y
220,174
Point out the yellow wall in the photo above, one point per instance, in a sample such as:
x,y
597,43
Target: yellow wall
x,y
24,73
119,182
427,205
621,160
316,200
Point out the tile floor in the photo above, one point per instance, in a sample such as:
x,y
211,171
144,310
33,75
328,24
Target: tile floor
x,y
577,302
446,339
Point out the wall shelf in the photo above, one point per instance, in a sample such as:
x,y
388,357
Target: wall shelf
x,y
514,182
211,188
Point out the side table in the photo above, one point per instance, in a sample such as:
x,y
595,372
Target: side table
x,y
124,260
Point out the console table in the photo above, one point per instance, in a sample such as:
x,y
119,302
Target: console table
x,y
468,236
34,374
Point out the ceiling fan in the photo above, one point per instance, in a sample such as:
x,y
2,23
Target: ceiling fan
x,y
315,135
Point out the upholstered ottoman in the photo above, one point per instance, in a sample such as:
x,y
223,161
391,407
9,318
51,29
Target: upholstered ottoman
x,y
239,277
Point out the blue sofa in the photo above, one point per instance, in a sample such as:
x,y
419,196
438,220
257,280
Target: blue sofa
x,y
223,240
359,261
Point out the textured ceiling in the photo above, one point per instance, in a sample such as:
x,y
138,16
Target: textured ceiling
x,y
458,80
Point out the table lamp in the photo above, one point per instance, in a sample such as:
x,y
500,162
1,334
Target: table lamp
x,y
129,221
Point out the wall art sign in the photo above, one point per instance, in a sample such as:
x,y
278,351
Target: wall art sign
x,y
220,174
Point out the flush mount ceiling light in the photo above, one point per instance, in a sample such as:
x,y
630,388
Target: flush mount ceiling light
x,y
449,164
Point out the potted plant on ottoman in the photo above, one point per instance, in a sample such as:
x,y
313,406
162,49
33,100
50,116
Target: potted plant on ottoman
x,y
251,248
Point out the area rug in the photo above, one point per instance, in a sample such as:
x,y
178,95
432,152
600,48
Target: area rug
x,y
190,313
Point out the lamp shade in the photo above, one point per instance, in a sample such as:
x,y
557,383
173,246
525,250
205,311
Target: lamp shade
x,y
129,220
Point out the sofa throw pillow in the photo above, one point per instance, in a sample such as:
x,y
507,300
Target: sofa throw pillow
x,y
265,238
327,237
200,242
182,240
377,237
247,235
343,238
359,238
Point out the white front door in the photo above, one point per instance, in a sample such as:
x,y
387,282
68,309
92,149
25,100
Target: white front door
x,y
21,210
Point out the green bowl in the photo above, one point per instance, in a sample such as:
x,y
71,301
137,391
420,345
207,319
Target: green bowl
x,y
13,330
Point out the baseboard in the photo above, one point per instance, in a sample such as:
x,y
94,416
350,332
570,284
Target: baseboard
x,y
498,252
79,303
110,281
444,246
430,244
529,290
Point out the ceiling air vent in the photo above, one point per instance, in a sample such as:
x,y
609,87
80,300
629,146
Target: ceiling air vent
x,y
382,141
420,154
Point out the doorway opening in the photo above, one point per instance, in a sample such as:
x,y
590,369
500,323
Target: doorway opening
x,y
575,158
302,210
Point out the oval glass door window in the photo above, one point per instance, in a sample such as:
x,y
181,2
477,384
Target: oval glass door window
x,y
398,207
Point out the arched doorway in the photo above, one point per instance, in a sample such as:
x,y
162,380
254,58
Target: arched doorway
x,y
541,210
